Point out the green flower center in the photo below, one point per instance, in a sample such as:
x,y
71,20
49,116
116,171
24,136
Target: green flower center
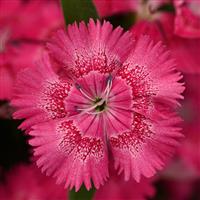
x,y
99,107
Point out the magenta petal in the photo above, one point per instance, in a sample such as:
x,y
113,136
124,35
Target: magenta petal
x,y
111,7
149,81
184,50
6,82
94,47
28,183
117,115
68,154
118,189
187,20
39,94
146,148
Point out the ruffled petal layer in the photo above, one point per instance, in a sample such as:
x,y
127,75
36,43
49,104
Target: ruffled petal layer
x,y
147,147
70,155
95,47
39,94
151,73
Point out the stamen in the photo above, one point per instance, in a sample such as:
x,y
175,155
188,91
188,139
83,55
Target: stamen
x,y
108,87
99,103
109,79
82,92
101,107
87,110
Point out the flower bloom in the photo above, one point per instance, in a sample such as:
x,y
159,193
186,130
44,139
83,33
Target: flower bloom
x,y
22,35
184,50
187,21
28,183
107,8
118,189
187,12
117,97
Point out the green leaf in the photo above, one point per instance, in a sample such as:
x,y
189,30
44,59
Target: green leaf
x,y
125,20
167,8
82,194
78,10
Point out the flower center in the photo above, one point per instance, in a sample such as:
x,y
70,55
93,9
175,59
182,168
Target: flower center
x,y
100,104
99,94
96,99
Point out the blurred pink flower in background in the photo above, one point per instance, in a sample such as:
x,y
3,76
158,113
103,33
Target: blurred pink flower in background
x,y
24,27
180,180
187,20
107,8
110,7
26,182
179,190
118,189
190,148
184,50
187,13
114,98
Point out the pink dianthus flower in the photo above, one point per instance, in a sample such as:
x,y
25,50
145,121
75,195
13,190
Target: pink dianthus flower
x,y
24,26
117,98
187,21
113,7
26,182
118,189
184,50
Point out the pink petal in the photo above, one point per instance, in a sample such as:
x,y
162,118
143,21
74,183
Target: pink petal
x,y
184,50
43,17
70,155
118,189
110,7
146,148
117,115
40,187
8,8
94,47
187,20
6,82
23,29
149,81
39,94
